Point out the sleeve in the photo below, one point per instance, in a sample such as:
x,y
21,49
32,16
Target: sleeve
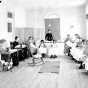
x,y
52,37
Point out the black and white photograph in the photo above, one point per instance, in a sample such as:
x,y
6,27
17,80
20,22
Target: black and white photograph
x,y
43,43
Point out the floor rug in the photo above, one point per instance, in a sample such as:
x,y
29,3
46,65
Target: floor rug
x,y
50,67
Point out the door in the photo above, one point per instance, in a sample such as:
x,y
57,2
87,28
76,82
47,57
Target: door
x,y
54,25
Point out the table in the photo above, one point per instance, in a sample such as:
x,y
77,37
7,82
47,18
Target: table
x,y
22,52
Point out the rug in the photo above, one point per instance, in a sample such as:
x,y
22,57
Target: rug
x,y
50,67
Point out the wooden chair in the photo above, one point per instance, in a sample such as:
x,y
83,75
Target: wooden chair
x,y
6,62
35,56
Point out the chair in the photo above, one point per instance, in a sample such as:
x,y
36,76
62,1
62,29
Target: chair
x,y
35,55
4,66
6,62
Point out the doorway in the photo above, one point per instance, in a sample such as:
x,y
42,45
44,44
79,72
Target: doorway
x,y
54,25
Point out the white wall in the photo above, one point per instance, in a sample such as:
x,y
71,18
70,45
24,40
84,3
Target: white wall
x,y
3,19
75,17
4,8
87,19
71,13
69,16
20,17
35,20
21,28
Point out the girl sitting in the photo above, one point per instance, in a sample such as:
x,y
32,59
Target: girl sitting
x,y
42,48
35,53
53,51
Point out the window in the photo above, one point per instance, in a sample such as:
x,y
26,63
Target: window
x,y
9,27
10,15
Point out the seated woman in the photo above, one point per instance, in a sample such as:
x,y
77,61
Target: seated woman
x,y
30,44
42,48
78,40
33,48
15,43
77,48
77,52
53,51
34,52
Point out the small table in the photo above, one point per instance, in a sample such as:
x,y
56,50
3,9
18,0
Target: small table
x,y
22,51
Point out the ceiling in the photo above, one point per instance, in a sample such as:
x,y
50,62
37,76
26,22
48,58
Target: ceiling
x,y
45,3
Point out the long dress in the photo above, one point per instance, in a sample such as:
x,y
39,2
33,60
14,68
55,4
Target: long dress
x,y
77,53
42,49
53,50
33,49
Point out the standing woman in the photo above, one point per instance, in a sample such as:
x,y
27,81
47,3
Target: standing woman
x,y
49,36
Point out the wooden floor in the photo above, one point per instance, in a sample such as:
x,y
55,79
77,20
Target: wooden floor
x,y
26,76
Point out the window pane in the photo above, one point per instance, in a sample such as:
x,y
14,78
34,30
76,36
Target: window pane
x,y
10,15
9,27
